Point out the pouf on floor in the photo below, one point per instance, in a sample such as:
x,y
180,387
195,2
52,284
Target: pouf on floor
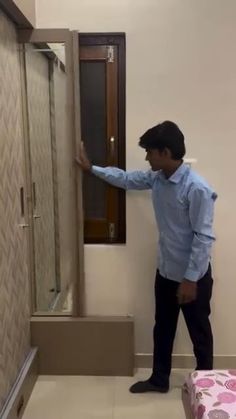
x,y
210,395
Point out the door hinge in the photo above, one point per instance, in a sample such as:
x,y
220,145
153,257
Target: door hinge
x,y
110,54
112,231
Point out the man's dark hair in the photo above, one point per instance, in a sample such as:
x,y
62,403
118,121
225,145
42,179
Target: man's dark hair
x,y
165,135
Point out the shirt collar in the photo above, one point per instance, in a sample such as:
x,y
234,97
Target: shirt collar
x,y
177,175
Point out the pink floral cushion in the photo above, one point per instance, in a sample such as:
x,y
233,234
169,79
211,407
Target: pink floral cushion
x,y
212,394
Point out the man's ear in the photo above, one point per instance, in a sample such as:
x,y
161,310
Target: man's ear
x,y
167,153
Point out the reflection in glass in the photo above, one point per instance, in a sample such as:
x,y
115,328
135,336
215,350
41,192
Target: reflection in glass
x,y
51,183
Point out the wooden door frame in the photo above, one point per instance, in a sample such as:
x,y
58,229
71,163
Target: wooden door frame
x,y
117,39
70,39
96,229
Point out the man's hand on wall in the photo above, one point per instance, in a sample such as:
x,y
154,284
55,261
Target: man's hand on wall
x,y
82,160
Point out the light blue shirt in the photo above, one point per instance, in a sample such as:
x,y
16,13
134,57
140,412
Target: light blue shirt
x,y
184,208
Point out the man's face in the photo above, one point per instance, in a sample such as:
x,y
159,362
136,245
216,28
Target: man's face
x,y
157,159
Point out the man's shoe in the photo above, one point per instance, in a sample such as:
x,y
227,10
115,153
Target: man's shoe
x,y
147,386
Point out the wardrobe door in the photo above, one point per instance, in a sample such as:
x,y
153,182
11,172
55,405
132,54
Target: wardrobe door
x,y
54,182
14,284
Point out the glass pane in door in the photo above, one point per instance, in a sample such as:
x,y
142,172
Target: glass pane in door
x,y
38,97
94,133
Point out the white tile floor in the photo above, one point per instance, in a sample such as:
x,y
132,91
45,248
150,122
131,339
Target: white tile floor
x,y
75,397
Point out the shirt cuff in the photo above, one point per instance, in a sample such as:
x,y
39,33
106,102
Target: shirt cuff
x,y
96,169
192,275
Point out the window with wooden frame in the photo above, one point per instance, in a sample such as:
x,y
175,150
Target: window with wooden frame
x,y
102,89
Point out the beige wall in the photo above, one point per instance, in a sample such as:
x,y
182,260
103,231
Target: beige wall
x,y
181,65
28,9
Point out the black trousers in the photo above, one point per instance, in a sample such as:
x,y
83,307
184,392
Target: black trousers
x,y
196,315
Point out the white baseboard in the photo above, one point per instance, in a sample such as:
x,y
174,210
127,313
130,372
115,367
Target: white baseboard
x,y
187,361
22,389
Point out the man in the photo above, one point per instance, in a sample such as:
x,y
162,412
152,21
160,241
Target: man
x,y
184,206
